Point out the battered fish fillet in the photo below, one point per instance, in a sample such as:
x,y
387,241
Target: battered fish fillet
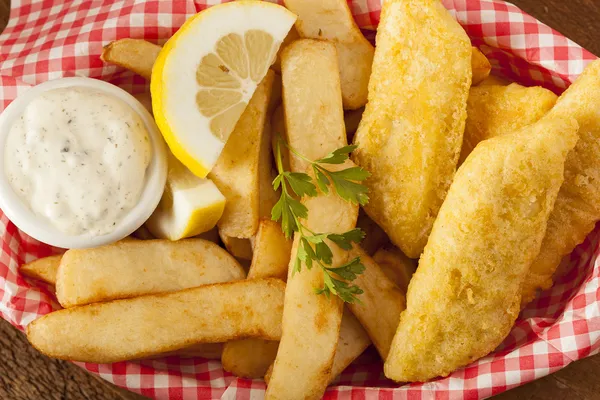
x,y
412,127
498,110
466,293
577,207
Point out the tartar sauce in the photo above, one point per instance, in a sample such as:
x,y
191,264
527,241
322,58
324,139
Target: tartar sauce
x,y
78,157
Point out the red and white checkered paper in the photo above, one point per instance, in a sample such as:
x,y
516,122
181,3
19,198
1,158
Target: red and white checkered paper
x,y
47,39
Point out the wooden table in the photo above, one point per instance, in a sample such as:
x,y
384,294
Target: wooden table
x,y
26,374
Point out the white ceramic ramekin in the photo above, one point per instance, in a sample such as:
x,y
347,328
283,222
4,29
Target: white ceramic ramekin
x,y
41,229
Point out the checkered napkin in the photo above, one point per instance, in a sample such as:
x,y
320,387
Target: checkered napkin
x,y
47,39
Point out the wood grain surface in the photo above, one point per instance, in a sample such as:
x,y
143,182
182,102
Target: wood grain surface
x,y
26,374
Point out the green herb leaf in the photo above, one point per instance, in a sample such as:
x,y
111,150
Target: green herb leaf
x,y
338,156
352,173
350,270
353,192
345,240
322,180
301,184
323,253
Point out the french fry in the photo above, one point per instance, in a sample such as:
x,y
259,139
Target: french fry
x,y
382,303
577,207
396,266
239,248
498,110
419,114
465,297
250,358
136,55
314,118
278,131
132,268
210,351
148,325
236,172
311,323
43,269
480,65
375,237
494,80
332,20
352,343
267,196
271,252
291,37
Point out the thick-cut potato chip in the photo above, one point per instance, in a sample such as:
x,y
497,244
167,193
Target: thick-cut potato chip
x,y
291,37
480,65
267,196
314,118
577,207
136,55
239,248
278,132
498,110
465,297
210,351
236,172
43,269
132,268
154,324
410,135
250,358
332,20
375,237
494,80
271,252
382,303
311,322
396,266
353,341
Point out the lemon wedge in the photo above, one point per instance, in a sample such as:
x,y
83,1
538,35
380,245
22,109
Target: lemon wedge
x,y
189,205
207,72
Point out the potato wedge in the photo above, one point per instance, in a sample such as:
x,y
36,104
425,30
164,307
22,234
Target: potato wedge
x,y
291,37
577,207
132,268
375,237
42,269
250,358
493,80
314,117
267,196
271,252
278,130
498,110
148,325
210,351
136,55
332,20
382,303
311,322
396,266
352,343
410,135
480,65
236,172
239,248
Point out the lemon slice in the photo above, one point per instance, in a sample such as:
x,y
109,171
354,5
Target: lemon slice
x,y
206,73
189,205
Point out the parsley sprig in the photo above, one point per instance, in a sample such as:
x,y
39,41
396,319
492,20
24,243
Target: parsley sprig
x,y
313,248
